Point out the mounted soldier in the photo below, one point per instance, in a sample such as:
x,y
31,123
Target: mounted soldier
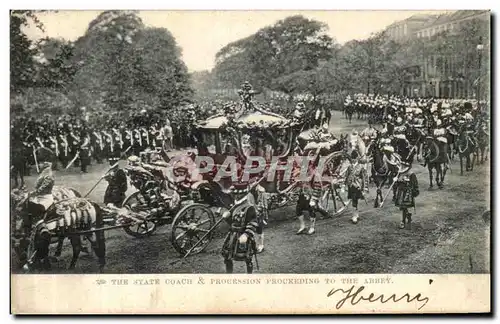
x,y
401,143
41,197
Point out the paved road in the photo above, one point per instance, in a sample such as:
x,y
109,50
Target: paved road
x,y
448,234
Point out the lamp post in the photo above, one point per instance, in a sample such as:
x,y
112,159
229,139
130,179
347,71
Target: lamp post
x,y
479,48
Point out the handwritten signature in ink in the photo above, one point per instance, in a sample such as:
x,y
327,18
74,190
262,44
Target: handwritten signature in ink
x,y
354,296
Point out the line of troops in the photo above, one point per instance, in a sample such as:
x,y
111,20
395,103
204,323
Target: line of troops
x,y
78,144
78,141
428,113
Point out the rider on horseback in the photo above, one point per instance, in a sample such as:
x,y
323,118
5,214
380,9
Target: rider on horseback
x,y
41,197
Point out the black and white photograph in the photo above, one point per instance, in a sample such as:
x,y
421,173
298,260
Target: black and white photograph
x,y
250,142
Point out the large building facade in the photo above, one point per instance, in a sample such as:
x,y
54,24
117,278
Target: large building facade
x,y
443,76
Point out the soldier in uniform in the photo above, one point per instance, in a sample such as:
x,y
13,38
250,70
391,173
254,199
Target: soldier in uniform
x,y
41,197
109,145
64,150
355,182
128,140
117,184
97,145
74,142
137,146
405,190
145,138
239,244
167,136
84,150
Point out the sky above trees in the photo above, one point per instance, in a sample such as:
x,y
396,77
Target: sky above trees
x,y
201,34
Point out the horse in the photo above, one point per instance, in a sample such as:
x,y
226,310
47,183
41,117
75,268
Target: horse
x,y
382,172
451,137
23,220
436,157
404,149
482,137
70,218
466,148
415,137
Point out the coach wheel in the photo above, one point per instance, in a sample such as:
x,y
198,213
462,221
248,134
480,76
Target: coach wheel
x,y
189,226
335,199
137,203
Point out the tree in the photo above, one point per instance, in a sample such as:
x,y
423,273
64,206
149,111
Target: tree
x,y
127,65
161,71
22,49
272,56
54,65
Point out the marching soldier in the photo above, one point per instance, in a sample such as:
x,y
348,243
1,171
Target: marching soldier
x,y
54,146
167,136
98,146
137,146
64,156
154,132
405,191
355,182
117,142
128,140
74,142
84,151
109,145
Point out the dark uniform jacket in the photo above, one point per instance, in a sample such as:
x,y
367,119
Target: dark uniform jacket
x,y
117,187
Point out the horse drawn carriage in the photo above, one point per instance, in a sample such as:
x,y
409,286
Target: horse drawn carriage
x,y
245,156
248,155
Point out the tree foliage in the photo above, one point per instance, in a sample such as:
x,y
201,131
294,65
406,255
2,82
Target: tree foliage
x,y
118,63
275,54
22,49
296,56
